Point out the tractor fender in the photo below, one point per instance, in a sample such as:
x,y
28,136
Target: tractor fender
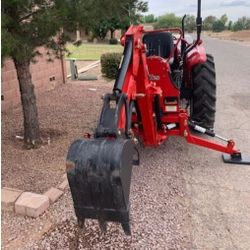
x,y
196,56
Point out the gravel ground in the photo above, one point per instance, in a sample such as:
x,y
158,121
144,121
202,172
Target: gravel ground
x,y
64,115
158,207
182,196
158,210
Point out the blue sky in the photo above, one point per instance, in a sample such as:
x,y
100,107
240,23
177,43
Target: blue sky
x,y
233,8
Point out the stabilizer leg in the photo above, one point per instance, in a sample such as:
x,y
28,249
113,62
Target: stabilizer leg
x,y
230,153
236,159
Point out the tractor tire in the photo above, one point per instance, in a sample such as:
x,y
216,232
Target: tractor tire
x,y
203,102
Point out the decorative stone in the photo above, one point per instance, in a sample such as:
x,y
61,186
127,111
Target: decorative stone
x,y
53,194
63,185
64,177
31,204
9,197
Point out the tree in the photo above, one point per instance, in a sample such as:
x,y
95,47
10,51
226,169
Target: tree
x,y
218,26
214,24
208,22
190,23
100,29
113,24
149,18
26,25
242,23
167,21
224,19
230,25
131,12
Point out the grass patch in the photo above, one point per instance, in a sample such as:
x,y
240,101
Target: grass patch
x,y
89,51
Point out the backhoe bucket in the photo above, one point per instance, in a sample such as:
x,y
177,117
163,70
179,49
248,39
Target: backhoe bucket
x,y
99,175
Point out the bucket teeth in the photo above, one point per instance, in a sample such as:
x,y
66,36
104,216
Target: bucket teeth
x,y
80,223
99,175
126,228
103,225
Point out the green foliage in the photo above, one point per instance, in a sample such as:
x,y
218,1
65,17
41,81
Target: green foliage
x,y
218,26
149,19
101,29
224,19
129,13
132,11
25,27
113,41
190,23
113,24
110,64
28,24
169,20
230,25
208,22
242,23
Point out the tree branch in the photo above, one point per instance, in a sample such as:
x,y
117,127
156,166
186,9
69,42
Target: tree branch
x,y
29,15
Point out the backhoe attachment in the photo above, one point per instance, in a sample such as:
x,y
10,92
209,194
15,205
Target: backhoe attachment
x,y
99,169
146,105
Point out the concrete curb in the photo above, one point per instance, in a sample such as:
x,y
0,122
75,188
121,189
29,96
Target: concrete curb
x,y
32,204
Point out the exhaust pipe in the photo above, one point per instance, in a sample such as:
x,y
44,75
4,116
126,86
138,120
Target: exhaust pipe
x,y
199,22
198,28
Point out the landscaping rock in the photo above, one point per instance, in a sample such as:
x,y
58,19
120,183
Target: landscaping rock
x,y
63,185
53,194
9,196
64,177
31,204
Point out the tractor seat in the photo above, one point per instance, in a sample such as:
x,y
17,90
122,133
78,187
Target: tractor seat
x,y
159,44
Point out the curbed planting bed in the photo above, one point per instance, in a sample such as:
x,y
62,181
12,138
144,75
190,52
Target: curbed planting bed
x,y
65,113
31,204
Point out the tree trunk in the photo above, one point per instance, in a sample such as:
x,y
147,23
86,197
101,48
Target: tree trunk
x,y
78,35
112,34
86,31
28,98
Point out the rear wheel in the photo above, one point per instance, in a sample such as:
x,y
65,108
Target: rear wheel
x,y
202,109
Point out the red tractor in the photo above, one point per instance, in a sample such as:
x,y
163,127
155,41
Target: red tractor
x,y
165,87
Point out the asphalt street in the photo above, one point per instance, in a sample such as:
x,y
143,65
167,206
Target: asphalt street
x,y
219,193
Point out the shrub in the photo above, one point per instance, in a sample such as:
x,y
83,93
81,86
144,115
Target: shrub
x,y
113,41
218,26
110,64
168,20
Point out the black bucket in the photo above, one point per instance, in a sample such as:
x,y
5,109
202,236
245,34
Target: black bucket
x,y
99,175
